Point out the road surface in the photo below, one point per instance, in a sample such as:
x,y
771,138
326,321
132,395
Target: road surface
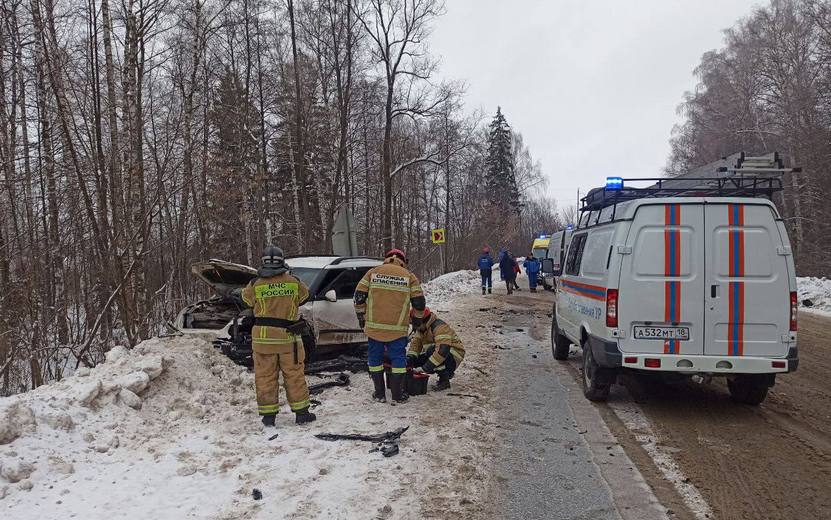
x,y
690,453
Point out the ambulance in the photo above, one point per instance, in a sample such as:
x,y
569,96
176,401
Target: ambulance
x,y
552,266
682,278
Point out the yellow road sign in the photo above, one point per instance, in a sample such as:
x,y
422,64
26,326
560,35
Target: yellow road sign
x,y
438,236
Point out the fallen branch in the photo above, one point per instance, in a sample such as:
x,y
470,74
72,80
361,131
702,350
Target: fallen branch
x,y
465,395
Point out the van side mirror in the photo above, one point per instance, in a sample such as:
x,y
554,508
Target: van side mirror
x,y
331,296
548,265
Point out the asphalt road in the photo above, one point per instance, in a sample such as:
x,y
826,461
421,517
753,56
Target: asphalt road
x,y
556,457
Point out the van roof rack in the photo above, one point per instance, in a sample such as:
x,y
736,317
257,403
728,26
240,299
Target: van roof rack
x,y
600,198
749,177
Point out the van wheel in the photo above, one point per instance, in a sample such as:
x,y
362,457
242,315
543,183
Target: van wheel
x,y
560,345
593,389
750,389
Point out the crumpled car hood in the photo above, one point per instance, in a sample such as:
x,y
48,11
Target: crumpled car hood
x,y
223,276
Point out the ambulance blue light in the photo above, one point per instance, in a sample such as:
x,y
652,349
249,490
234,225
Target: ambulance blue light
x,y
614,183
570,227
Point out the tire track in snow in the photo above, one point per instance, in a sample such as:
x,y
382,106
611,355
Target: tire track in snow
x,y
631,415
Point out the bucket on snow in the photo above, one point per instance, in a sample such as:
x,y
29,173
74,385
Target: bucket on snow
x,y
414,384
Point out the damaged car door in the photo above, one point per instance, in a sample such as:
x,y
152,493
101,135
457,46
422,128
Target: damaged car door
x,y
333,309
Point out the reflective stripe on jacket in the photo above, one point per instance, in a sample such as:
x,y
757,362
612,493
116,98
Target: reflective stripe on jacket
x,y
383,299
275,297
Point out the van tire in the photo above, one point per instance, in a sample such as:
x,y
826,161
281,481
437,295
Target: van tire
x,y
592,373
749,389
560,345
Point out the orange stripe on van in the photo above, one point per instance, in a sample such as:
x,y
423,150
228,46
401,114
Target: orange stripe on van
x,y
595,292
735,325
672,269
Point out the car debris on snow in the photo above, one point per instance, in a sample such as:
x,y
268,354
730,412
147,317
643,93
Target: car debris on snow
x,y
387,442
340,380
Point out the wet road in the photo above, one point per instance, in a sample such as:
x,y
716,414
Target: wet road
x,y
557,457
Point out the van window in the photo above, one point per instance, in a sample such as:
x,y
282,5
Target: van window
x,y
575,255
596,253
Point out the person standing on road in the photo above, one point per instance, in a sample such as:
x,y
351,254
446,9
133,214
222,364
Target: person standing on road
x,y
532,269
435,348
506,271
517,272
486,269
383,300
276,296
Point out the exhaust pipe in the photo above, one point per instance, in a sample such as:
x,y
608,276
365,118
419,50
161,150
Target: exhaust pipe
x,y
701,379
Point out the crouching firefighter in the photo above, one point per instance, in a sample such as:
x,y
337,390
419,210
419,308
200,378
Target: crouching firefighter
x,y
435,348
383,300
276,295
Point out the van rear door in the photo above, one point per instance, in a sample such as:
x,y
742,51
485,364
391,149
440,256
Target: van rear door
x,y
662,281
748,289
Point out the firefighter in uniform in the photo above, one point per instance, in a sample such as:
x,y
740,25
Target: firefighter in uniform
x,y
383,300
435,348
276,295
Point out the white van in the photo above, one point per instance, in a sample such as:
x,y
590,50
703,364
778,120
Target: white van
x,y
697,282
552,265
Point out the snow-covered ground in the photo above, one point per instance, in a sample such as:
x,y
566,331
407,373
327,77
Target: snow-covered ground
x,y
443,289
817,291
169,430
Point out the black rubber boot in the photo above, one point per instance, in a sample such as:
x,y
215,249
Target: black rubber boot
x,y
489,290
268,420
380,393
399,395
483,291
443,383
304,416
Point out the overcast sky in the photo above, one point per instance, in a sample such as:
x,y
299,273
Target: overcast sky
x,y
592,85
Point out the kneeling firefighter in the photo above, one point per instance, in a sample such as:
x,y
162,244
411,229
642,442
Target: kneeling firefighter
x,y
383,299
435,347
276,295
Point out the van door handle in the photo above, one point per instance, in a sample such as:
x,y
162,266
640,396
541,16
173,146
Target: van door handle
x,y
714,291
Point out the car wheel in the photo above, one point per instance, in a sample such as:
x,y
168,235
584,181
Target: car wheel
x,y
593,374
560,345
749,389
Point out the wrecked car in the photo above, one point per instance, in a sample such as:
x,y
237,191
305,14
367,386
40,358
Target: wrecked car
x,y
331,280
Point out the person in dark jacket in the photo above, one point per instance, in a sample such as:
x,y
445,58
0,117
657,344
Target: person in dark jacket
x,y
506,271
532,268
486,269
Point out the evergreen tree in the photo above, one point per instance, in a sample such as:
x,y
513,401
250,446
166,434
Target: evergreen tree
x,y
500,179
235,158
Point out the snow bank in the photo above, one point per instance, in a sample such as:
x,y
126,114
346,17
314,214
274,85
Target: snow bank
x,y
169,430
814,294
448,286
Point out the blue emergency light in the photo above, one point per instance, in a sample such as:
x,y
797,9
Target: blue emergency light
x,y
542,235
614,183
570,227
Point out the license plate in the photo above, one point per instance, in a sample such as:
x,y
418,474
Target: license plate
x,y
663,333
